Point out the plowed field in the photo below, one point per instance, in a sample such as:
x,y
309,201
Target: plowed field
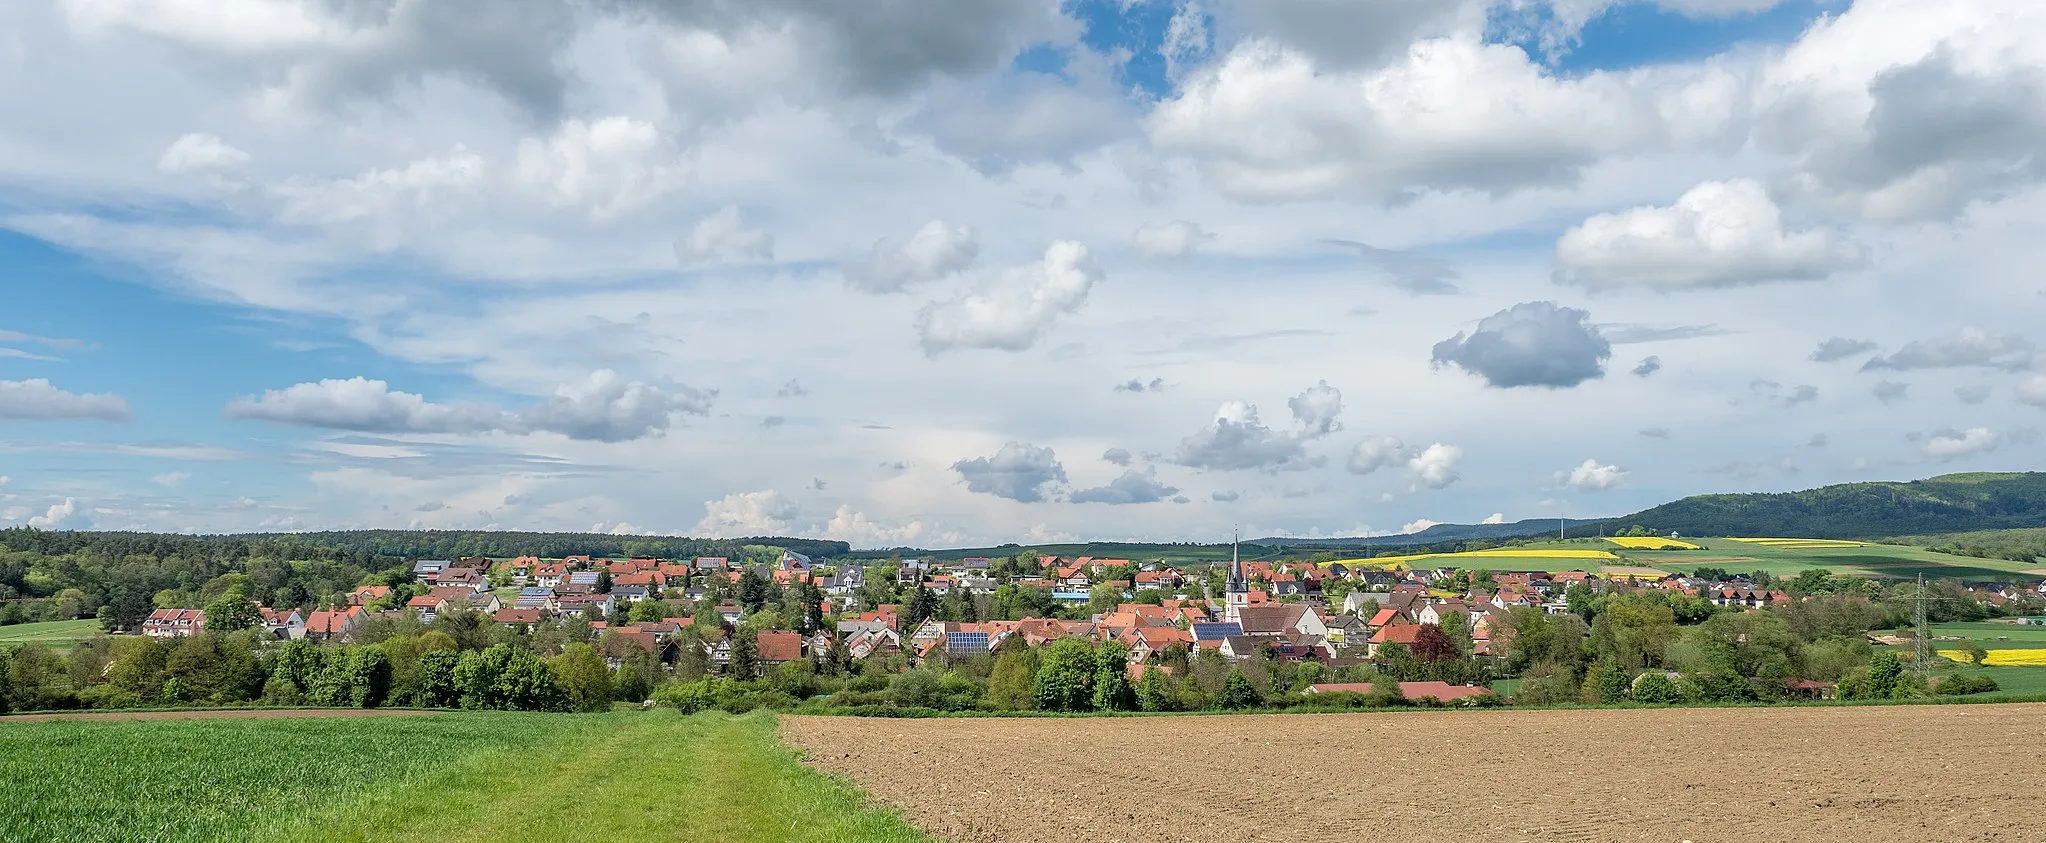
x,y
1950,773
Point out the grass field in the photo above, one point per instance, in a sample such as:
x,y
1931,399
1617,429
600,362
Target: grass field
x,y
481,776
1868,560
56,635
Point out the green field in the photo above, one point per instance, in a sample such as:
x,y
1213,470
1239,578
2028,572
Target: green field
x,y
2010,681
471,776
1880,560
1992,636
56,635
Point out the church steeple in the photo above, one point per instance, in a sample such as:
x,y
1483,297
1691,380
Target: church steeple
x,y
1237,593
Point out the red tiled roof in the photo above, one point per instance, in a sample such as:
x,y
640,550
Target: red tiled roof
x,y
1440,690
780,646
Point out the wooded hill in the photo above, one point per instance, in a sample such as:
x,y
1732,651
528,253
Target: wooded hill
x,y
1947,504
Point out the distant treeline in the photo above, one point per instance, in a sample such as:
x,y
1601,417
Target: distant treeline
x,y
1951,503
365,546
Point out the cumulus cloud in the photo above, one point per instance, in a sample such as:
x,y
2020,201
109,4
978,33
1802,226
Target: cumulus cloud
x,y
1237,440
1415,526
62,516
1175,239
170,479
1590,476
1435,467
1649,365
1534,344
1019,472
2031,391
1140,385
1891,392
724,236
200,153
1118,456
605,407
1010,312
1840,348
1819,440
1953,444
1775,394
1972,347
743,514
1376,453
1317,410
37,400
1719,234
1224,496
1132,487
1978,393
605,168
938,250
855,528
1494,518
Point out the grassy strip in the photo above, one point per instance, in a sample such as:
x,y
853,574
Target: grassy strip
x,y
208,780
640,776
61,636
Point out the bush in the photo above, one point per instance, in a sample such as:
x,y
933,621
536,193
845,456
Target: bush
x,y
1954,686
1655,688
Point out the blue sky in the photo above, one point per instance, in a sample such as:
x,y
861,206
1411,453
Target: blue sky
x,y
768,272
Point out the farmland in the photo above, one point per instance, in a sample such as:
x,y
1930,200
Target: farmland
x,y
1787,559
1420,776
454,777
56,635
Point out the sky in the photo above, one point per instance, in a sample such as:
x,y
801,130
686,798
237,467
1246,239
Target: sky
x,y
942,273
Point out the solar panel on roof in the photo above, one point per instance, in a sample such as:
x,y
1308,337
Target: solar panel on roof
x,y
1216,631
966,642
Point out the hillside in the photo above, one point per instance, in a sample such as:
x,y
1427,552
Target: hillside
x,y
1440,533
1947,504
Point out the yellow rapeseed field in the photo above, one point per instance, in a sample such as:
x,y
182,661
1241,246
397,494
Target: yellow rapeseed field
x,y
2003,658
1652,543
1400,562
1803,544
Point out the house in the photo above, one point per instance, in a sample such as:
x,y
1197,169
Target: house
x,y
1277,619
631,593
978,585
335,624
523,618
872,642
427,569
1436,613
1402,634
468,577
426,606
286,624
1441,691
1364,603
1348,630
174,623
779,647
1209,636
364,595
710,563
549,576
576,604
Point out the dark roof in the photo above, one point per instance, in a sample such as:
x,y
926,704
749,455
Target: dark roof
x,y
1215,631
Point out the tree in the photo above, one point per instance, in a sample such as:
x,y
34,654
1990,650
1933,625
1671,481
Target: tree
x,y
1063,675
1237,693
604,580
1431,644
527,685
1603,683
1009,687
353,677
233,612
745,662
753,590
1112,690
437,687
646,611
1884,669
584,676
1152,695
921,606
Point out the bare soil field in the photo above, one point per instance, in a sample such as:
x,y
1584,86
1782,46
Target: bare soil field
x,y
1949,773
212,714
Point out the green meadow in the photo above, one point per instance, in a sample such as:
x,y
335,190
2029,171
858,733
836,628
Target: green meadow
x,y
1875,560
56,635
457,777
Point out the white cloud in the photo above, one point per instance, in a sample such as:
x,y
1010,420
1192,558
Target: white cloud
x,y
1010,312
604,407
1375,453
37,400
1949,444
171,479
1972,347
59,517
938,250
200,153
1175,239
605,168
1236,440
1590,476
1494,518
1117,456
1435,467
855,528
2031,391
1718,234
1415,526
724,235
1318,410
742,514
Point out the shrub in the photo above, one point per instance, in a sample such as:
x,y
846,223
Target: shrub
x,y
1954,686
1655,688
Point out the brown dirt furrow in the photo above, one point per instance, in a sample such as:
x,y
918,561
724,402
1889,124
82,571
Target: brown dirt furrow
x,y
1951,773
211,714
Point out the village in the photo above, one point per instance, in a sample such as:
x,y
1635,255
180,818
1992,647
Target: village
x,y
893,616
